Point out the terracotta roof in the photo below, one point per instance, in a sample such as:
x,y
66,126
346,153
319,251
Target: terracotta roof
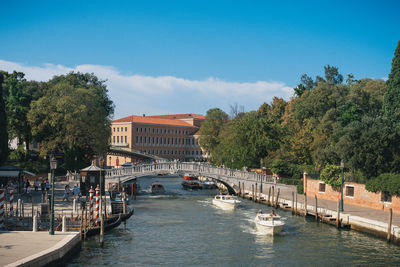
x,y
180,116
152,120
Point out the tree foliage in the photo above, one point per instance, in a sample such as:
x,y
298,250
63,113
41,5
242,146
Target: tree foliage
x,y
331,175
386,182
3,126
73,116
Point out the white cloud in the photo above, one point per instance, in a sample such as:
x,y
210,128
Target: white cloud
x,y
137,94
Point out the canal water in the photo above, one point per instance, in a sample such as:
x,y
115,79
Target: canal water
x,y
183,228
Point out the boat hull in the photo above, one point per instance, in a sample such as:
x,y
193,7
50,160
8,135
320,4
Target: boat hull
x,y
269,229
225,205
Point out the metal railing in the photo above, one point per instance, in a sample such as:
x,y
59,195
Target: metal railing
x,y
190,167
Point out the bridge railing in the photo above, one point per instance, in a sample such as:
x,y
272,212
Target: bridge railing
x,y
194,167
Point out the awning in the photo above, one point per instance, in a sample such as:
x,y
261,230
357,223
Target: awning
x,y
29,173
9,174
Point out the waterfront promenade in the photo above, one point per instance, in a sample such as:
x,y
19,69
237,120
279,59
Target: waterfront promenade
x,y
26,248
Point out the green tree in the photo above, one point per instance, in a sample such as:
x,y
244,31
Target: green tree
x,y
210,129
73,116
332,74
391,104
3,126
246,140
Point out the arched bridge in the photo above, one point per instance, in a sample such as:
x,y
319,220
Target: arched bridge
x,y
234,180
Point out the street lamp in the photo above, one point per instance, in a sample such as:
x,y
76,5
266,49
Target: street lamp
x,y
101,239
53,166
261,168
341,187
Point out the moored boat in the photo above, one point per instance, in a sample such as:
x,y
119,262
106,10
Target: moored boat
x,y
156,188
189,176
226,202
208,184
270,224
191,184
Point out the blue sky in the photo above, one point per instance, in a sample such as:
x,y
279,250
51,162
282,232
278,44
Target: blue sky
x,y
189,56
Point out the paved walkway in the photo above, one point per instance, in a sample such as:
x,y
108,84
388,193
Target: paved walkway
x,y
372,214
23,246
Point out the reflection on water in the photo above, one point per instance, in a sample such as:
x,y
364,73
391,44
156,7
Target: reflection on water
x,y
183,228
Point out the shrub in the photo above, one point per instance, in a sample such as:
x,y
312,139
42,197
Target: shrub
x,y
388,182
331,175
300,188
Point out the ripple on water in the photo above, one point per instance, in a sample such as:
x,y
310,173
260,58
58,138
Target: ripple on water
x,y
184,229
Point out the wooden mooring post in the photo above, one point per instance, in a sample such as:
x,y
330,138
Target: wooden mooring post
x,y
338,215
255,193
277,198
292,202
269,196
316,208
389,231
273,193
86,222
81,227
252,191
295,205
305,204
132,191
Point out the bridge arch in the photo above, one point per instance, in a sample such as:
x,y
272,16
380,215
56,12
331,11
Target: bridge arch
x,y
230,178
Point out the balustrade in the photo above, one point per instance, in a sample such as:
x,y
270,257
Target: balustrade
x,y
200,168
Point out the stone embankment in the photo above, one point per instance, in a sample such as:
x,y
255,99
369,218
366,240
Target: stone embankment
x,y
380,223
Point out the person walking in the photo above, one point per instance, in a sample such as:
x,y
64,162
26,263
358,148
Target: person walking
x,y
66,193
36,185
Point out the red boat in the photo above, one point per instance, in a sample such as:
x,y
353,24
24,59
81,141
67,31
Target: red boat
x,y
189,177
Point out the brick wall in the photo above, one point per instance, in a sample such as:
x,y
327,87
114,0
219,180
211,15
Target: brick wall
x,y
360,197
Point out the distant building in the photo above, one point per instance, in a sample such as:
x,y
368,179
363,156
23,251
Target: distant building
x,y
166,136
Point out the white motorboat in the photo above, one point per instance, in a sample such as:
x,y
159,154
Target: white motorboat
x,y
226,202
208,184
269,223
156,188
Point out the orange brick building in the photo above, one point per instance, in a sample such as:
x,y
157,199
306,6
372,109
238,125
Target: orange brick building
x,y
166,136
353,193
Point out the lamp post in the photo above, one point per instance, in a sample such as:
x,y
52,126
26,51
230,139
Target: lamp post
x,y
341,187
53,166
261,168
101,239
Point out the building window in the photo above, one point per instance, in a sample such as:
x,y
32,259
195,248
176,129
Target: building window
x,y
172,141
140,129
349,191
386,197
114,129
137,139
117,139
145,130
126,129
153,140
154,130
157,140
141,140
137,130
149,140
165,130
160,140
114,139
145,139
117,129
126,140
321,187
197,152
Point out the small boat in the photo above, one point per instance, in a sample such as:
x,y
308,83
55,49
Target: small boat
x,y
191,184
269,223
188,176
227,202
156,188
108,225
208,184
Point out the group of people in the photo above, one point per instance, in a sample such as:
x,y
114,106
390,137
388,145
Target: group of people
x,y
45,186
76,192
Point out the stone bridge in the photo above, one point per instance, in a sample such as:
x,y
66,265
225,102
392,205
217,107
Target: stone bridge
x,y
234,180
